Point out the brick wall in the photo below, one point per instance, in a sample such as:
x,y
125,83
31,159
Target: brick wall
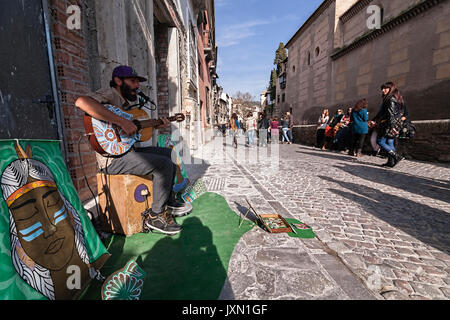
x,y
162,72
72,75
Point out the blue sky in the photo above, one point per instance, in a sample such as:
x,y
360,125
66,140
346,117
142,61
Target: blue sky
x,y
248,33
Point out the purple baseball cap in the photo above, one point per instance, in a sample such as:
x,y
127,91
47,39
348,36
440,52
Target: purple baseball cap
x,y
127,72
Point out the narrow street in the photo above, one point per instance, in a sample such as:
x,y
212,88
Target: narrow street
x,y
381,234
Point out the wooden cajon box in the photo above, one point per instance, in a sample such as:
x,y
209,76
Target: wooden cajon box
x,y
122,200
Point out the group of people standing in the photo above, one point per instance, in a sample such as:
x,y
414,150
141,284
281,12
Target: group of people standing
x,y
258,126
348,131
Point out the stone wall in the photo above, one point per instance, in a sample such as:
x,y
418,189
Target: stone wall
x,y
431,143
413,54
308,80
412,49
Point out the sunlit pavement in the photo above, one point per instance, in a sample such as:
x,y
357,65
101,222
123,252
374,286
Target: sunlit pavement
x,y
381,233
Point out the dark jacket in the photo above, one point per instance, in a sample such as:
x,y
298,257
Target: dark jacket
x,y
263,123
290,121
389,117
336,119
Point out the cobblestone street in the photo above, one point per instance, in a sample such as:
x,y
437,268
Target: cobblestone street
x,y
381,233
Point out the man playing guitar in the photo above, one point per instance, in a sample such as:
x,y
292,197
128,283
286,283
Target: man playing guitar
x,y
138,161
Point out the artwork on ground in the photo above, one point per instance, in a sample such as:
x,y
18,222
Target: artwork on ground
x,y
48,246
194,191
124,284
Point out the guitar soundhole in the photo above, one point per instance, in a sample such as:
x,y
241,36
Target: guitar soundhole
x,y
110,135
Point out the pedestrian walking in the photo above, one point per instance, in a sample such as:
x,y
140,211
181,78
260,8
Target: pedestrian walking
x,y
389,122
234,124
284,129
263,127
359,127
274,130
290,121
251,125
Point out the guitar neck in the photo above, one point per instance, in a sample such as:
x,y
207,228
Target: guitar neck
x,y
154,122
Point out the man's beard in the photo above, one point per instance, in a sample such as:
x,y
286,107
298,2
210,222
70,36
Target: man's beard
x,y
127,92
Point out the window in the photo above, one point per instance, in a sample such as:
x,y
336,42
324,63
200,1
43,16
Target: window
x,y
293,68
283,81
278,99
317,51
309,58
284,97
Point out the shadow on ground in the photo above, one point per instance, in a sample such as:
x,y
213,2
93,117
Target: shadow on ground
x,y
422,186
335,156
191,265
420,221
196,168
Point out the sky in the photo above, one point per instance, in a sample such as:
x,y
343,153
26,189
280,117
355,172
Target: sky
x,y
248,32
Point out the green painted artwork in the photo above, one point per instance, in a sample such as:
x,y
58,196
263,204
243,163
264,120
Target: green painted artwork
x,y
181,177
49,248
124,284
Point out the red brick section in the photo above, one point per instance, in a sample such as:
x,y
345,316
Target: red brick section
x,y
72,74
162,73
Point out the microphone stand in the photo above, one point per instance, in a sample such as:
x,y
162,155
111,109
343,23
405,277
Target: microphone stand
x,y
142,104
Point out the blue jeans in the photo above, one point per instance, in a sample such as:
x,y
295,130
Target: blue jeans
x,y
285,137
290,135
386,143
251,137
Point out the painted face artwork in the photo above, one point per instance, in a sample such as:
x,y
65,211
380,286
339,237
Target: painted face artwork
x,y
45,230
44,227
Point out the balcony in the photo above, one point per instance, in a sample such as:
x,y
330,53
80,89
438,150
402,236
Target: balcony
x,y
208,49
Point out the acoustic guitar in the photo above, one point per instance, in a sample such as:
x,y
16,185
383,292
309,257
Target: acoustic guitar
x,y
109,139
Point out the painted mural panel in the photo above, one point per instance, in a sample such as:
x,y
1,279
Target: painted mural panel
x,y
48,246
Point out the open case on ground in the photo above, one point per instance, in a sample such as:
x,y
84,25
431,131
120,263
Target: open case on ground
x,y
275,223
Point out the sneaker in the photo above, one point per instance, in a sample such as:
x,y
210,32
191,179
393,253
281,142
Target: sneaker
x,y
162,222
179,209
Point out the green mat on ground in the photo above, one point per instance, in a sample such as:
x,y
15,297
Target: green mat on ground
x,y
191,265
301,233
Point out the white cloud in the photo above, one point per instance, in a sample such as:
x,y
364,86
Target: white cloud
x,y
233,34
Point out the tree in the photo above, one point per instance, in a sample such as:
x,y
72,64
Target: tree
x,y
280,56
273,84
272,89
243,104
